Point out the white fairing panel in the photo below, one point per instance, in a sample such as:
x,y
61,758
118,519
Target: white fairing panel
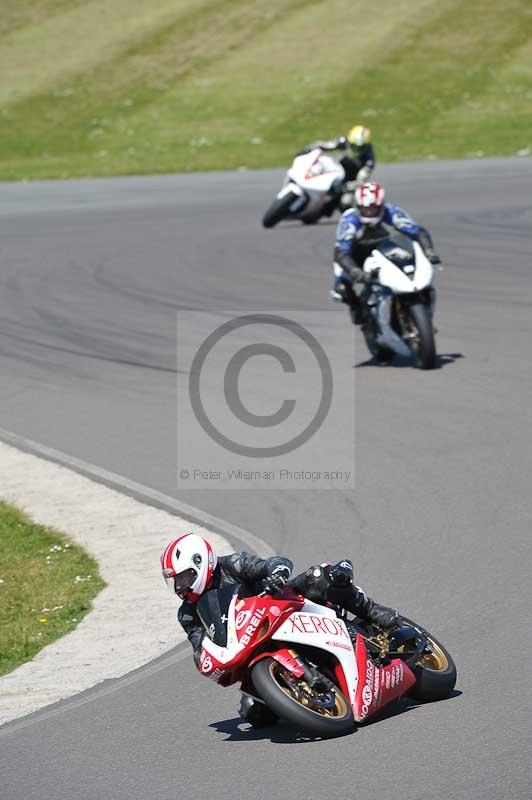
x,y
396,279
424,270
389,275
288,188
314,625
318,626
315,171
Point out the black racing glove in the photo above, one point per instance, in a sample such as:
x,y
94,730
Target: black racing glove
x,y
368,277
278,579
383,616
340,574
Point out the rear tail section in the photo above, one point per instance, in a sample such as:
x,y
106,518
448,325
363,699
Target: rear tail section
x,y
378,686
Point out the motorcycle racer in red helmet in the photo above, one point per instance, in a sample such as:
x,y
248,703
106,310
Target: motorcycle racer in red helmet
x,y
190,568
354,235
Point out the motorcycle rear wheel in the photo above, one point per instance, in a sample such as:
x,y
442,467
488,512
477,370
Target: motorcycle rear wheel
x,y
278,210
326,714
435,672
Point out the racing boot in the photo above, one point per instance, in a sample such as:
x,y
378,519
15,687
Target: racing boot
x,y
383,617
334,200
343,292
348,197
257,714
339,291
357,312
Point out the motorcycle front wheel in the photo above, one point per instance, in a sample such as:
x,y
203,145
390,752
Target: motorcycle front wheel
x,y
421,336
279,209
319,710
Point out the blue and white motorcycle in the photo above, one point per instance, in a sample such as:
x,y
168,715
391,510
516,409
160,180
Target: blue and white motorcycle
x,y
400,300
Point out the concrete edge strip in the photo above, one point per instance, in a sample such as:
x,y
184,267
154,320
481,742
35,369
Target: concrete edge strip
x,y
140,512
140,492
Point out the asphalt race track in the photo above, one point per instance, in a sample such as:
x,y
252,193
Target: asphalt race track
x,y
439,525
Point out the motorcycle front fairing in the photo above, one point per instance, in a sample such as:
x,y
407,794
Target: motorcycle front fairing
x,y
316,171
299,202
248,624
252,623
312,177
400,273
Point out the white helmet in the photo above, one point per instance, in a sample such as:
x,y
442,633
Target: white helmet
x,y
369,202
188,564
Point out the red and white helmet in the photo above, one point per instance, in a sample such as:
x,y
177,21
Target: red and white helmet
x,y
188,564
369,201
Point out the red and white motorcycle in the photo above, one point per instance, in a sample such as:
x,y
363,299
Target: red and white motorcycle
x,y
298,658
311,189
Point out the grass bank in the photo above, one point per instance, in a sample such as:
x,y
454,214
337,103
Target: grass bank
x,y
47,585
99,88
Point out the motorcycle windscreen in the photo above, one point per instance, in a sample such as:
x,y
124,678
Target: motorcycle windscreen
x,y
398,249
213,610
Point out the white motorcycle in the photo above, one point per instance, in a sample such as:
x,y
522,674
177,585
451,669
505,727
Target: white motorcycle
x,y
311,189
400,302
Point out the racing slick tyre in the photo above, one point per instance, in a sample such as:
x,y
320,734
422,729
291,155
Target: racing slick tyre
x,y
435,672
422,337
278,210
319,710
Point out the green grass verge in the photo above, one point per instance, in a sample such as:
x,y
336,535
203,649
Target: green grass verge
x,y
47,585
136,87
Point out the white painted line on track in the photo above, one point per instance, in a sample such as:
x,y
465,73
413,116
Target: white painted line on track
x,y
133,620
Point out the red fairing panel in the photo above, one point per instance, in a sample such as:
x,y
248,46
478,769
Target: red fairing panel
x,y
284,657
212,668
378,686
256,619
